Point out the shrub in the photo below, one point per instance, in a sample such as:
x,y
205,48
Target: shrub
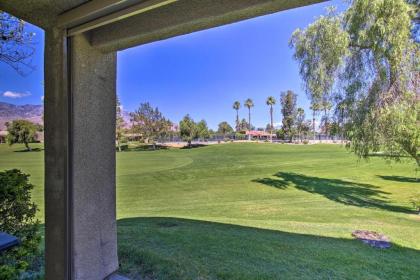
x,y
281,135
17,217
306,141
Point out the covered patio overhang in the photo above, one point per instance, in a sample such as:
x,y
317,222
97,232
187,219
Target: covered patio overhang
x,y
82,38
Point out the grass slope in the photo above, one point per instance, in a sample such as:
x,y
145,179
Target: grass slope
x,y
257,211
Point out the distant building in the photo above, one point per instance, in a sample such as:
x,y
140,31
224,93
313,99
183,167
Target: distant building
x,y
260,134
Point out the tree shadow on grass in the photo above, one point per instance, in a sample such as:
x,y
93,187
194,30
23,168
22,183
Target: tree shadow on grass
x,y
193,146
29,151
276,183
192,249
345,192
400,179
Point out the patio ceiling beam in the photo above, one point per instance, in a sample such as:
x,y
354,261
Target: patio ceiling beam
x,y
98,13
183,17
85,12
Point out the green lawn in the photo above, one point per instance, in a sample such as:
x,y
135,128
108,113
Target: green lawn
x,y
257,211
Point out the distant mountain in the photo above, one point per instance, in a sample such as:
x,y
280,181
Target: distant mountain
x,y
33,113
10,112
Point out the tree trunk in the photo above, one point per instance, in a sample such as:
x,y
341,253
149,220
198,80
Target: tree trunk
x,y
313,124
27,146
119,146
341,126
271,124
237,120
249,124
326,124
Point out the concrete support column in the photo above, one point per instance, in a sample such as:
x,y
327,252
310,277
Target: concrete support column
x,y
93,86
81,241
56,122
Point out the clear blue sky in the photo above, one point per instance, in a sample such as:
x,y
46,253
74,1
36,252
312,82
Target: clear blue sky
x,y
201,73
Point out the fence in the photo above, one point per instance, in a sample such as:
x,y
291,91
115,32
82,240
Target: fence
x,y
319,138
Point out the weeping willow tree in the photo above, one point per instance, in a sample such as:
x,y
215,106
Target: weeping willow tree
x,y
366,61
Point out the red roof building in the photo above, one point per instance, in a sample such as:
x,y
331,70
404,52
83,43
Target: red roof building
x,y
259,134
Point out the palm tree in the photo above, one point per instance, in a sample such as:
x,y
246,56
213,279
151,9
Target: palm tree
x,y
326,107
249,104
236,106
315,108
270,102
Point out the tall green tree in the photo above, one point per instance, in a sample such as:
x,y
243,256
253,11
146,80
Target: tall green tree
x,y
236,106
188,129
288,110
150,123
334,128
305,128
249,104
243,125
300,119
224,128
203,130
271,101
340,112
367,57
21,131
119,125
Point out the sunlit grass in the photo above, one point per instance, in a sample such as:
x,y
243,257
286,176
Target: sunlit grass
x,y
257,211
